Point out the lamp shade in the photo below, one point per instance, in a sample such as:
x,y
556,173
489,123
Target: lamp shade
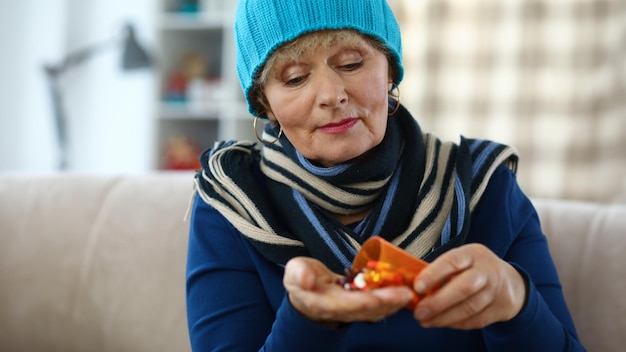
x,y
133,55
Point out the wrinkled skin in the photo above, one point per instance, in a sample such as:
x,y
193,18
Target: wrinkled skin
x,y
479,289
332,102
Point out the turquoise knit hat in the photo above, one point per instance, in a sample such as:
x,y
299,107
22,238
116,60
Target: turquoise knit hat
x,y
261,26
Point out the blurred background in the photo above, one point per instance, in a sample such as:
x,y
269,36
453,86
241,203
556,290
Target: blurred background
x,y
109,111
546,76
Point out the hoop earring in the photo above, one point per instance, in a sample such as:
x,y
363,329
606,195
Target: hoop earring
x,y
393,84
256,133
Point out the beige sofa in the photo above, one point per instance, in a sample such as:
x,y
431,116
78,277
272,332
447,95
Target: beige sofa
x,y
96,263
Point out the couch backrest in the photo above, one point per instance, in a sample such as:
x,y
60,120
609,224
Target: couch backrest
x,y
93,263
96,263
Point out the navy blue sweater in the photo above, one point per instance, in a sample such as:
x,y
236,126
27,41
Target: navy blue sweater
x,y
236,300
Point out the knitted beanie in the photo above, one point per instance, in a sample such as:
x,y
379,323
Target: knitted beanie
x,y
261,26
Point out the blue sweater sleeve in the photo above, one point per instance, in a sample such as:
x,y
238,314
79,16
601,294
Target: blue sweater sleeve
x,y
233,303
544,324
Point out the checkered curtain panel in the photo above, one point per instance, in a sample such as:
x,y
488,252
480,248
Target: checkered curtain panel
x,y
546,76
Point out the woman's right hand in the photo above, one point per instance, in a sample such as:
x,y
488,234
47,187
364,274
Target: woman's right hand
x,y
313,290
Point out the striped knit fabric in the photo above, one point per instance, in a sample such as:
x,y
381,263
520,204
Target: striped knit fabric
x,y
420,193
546,76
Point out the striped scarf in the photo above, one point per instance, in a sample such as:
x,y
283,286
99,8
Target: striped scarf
x,y
421,192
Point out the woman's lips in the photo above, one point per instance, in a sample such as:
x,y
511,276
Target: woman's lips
x,y
339,127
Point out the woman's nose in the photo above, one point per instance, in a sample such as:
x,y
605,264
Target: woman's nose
x,y
330,89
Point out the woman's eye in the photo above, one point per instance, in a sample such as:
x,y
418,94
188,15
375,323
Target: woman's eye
x,y
295,81
351,66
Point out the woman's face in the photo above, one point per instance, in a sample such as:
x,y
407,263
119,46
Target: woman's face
x,y
332,101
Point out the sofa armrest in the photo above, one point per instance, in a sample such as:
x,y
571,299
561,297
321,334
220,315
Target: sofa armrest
x,y
588,245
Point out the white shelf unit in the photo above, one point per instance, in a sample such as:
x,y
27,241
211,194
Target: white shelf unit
x,y
217,111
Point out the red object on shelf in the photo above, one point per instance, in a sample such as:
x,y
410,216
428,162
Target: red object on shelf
x,y
176,87
181,153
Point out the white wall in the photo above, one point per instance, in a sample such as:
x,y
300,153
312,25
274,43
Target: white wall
x,y
29,33
109,111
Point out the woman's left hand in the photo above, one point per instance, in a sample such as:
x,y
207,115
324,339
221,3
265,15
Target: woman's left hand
x,y
480,289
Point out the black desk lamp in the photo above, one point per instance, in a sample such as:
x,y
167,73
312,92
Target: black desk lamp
x,y
133,57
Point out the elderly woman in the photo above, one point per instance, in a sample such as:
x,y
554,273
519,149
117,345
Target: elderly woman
x,y
341,161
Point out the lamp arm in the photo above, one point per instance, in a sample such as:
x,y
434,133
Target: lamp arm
x,y
53,72
78,57
59,119
138,58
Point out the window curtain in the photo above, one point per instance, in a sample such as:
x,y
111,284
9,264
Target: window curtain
x,y
546,76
